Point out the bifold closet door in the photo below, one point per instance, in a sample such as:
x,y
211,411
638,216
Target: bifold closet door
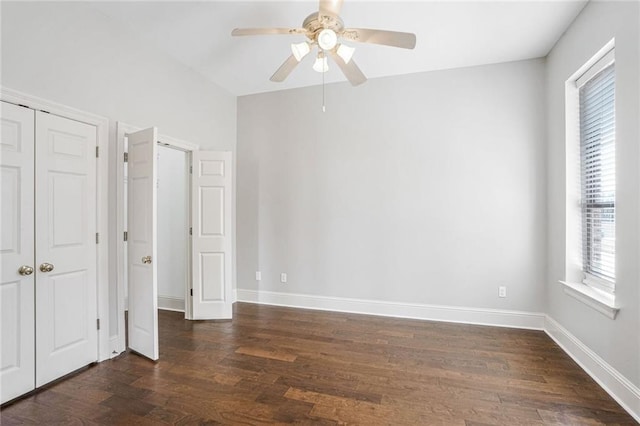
x,y
17,356
48,247
66,304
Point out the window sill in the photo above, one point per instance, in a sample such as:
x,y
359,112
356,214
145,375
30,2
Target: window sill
x,y
598,300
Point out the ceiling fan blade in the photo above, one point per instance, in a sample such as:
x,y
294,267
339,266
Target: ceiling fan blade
x,y
387,38
267,31
285,69
350,69
330,6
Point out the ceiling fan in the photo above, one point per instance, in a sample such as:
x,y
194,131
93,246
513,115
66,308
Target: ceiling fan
x,y
324,29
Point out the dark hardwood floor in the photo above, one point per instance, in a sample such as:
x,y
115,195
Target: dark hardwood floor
x,y
281,365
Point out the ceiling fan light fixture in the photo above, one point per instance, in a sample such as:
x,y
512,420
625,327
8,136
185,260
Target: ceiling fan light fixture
x,y
300,50
327,39
321,64
345,52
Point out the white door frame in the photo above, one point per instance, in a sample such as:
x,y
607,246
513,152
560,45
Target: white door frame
x,y
122,130
102,200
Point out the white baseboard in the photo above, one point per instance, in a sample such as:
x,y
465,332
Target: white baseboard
x,y
481,316
616,385
170,303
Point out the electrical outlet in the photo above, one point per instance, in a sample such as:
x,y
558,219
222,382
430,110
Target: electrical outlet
x,y
283,277
502,291
258,275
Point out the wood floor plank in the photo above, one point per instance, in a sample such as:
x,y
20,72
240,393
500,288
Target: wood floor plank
x,y
266,353
276,365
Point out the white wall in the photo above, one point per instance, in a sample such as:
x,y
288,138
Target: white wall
x,y
425,188
173,225
69,53
616,341
72,54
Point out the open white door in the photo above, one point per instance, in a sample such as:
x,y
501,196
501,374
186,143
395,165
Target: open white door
x,y
211,235
141,242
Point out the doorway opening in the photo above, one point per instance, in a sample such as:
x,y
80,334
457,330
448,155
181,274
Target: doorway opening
x,y
176,218
173,257
173,227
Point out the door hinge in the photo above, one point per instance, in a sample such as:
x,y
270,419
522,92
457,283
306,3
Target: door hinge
x,y
98,323
126,236
191,291
97,151
191,169
97,237
126,157
190,231
46,112
24,106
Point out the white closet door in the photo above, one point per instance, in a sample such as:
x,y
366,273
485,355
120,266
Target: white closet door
x,y
66,304
141,244
17,334
211,239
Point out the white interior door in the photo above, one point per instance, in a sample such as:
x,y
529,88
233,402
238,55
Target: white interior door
x,y
66,279
211,239
141,244
17,330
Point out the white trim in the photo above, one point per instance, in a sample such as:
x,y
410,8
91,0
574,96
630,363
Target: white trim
x,y
591,62
171,303
122,302
481,316
614,383
177,143
602,59
102,198
603,302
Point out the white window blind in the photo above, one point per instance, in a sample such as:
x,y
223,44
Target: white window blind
x,y
598,177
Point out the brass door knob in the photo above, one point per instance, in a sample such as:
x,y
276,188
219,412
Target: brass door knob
x,y
146,259
46,267
25,270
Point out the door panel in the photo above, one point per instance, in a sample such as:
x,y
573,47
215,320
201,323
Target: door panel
x,y
141,245
17,353
66,304
211,239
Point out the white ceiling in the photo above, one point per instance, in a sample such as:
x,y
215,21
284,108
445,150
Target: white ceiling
x,y
450,34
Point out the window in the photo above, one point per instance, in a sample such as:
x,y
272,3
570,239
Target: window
x,y
590,257
598,174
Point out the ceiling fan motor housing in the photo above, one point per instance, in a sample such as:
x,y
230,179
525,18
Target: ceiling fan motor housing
x,y
316,22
